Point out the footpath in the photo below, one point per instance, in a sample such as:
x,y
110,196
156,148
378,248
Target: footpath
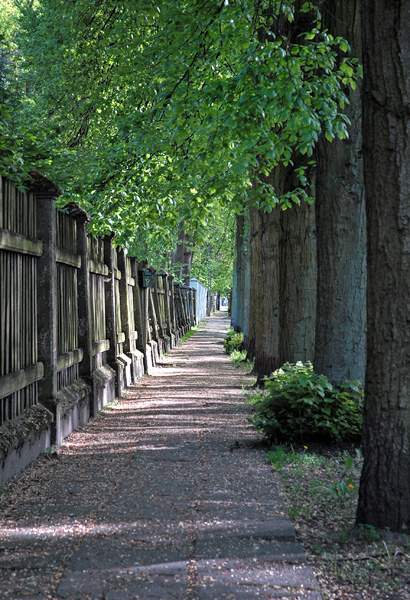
x,y
165,495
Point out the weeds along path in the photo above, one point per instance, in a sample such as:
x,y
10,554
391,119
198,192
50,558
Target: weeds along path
x,y
165,495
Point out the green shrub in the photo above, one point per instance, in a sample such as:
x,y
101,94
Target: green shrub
x,y
238,356
300,405
233,341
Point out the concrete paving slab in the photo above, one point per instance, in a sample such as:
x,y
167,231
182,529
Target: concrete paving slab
x,y
165,496
230,579
168,581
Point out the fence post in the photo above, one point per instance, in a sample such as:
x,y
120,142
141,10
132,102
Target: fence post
x,y
110,310
173,321
142,317
46,194
127,284
123,361
160,308
156,340
168,311
84,297
193,308
103,376
125,317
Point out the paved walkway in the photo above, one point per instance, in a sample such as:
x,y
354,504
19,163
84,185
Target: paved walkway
x,y
166,495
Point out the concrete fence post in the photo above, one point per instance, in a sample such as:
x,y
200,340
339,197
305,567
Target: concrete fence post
x,y
84,299
46,194
110,310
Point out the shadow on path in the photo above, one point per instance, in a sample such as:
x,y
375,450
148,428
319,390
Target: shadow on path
x,y
164,496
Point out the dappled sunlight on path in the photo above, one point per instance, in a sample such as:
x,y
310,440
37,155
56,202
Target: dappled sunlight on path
x,y
165,495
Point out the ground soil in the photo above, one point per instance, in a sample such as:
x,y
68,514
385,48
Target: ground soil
x,y
351,562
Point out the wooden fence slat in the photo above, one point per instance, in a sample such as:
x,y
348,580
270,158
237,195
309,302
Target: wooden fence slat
x,y
17,380
3,284
68,258
34,305
1,203
16,242
8,312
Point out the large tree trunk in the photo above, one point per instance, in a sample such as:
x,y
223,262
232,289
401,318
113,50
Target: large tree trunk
x,y
241,287
297,284
237,290
281,300
340,350
263,337
385,484
246,278
282,282
183,255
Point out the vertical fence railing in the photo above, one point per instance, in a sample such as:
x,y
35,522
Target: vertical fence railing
x,y
154,325
98,272
161,299
19,250
142,314
68,262
131,284
117,279
178,309
128,299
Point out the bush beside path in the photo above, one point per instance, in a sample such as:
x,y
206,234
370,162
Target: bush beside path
x,y
164,495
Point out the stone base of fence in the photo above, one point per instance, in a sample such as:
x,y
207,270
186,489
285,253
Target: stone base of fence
x,y
160,349
154,352
124,373
148,360
103,388
72,408
129,368
137,359
166,344
23,439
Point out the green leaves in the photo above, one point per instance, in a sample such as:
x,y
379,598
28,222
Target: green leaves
x,y
150,104
301,405
233,341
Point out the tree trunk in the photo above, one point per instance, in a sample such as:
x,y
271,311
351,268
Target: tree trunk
x,y
340,347
384,499
297,284
237,291
263,339
183,255
240,307
246,278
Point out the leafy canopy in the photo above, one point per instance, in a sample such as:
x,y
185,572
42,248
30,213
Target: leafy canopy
x,y
149,113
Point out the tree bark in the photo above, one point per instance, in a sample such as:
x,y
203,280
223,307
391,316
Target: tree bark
x,y
246,278
385,482
340,347
263,339
237,290
183,255
297,284
241,287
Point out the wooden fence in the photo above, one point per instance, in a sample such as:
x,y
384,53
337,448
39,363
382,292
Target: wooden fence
x,y
19,367
80,320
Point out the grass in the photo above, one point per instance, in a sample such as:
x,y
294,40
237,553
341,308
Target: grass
x,y
239,359
320,487
113,404
187,335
